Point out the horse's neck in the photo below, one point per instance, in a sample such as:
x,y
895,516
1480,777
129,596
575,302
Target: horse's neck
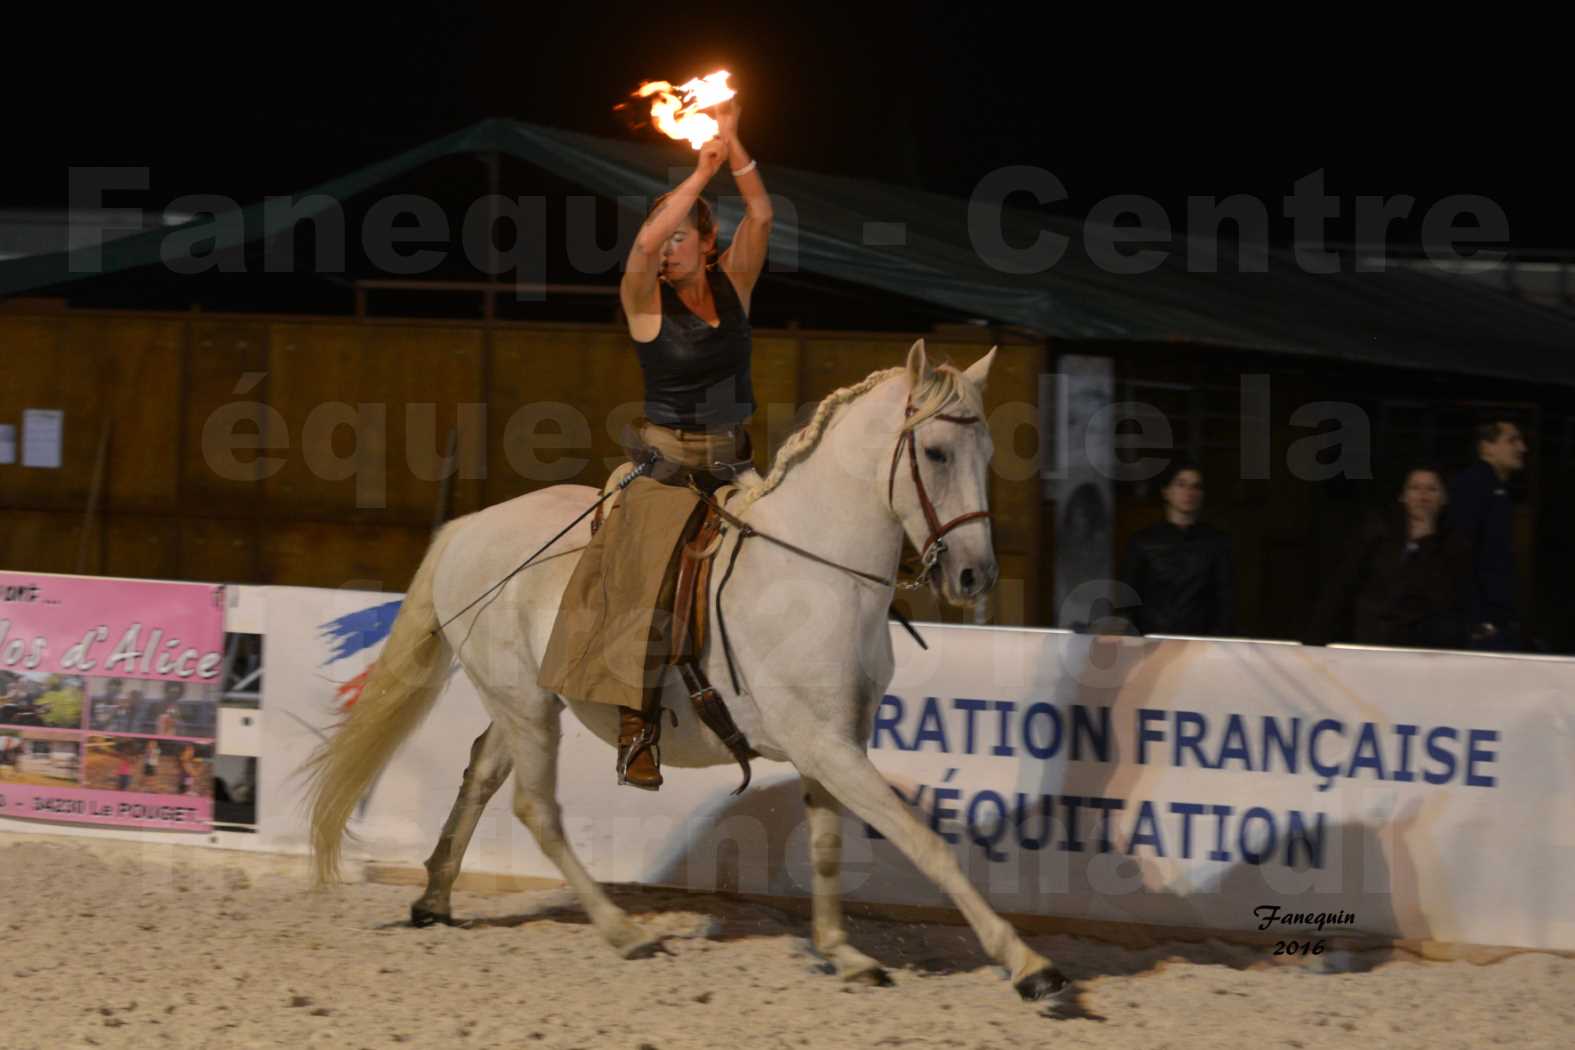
x,y
833,502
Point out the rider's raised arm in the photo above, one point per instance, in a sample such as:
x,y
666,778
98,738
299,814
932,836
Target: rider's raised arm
x,y
638,289
746,255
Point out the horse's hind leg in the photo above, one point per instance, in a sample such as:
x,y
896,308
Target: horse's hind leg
x,y
534,734
490,765
825,854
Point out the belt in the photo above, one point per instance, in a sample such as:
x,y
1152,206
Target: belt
x,y
685,428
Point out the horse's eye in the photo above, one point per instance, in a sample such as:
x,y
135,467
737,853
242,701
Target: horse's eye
x,y
935,455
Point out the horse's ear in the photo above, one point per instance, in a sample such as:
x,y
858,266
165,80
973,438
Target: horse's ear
x,y
919,370
979,372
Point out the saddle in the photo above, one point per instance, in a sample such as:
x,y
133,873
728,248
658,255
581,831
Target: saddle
x,y
699,543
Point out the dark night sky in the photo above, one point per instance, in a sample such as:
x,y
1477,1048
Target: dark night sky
x,y
274,100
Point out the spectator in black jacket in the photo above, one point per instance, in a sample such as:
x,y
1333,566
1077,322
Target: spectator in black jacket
x,y
1481,513
1181,569
1403,581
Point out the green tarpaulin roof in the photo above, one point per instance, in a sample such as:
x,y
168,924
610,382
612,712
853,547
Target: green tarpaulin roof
x,y
1402,317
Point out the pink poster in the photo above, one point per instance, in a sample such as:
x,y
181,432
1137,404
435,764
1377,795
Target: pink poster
x,y
109,700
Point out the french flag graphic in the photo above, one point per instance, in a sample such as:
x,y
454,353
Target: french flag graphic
x,y
352,633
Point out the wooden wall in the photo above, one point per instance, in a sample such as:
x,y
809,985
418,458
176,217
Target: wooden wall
x,y
345,424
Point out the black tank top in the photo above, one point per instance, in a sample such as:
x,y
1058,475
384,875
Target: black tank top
x,y
696,375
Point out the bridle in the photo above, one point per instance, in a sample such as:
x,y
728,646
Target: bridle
x,y
935,545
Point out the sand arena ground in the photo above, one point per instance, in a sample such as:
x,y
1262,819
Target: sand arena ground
x,y
116,944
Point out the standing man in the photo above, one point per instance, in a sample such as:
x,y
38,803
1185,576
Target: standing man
x,y
1480,512
1182,569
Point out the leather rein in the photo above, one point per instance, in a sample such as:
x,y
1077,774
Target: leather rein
x,y
934,545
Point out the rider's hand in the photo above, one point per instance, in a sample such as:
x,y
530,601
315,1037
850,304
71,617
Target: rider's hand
x,y
726,114
712,154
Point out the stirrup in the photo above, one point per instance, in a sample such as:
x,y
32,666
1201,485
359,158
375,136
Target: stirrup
x,y
649,737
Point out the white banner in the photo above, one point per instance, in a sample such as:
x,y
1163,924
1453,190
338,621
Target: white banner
x,y
1192,783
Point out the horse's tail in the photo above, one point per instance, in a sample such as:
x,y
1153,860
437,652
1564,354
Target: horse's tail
x,y
399,692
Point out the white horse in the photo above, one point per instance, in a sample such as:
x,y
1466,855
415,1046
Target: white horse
x,y
904,451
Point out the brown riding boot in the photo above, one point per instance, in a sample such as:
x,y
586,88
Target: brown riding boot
x,y
633,733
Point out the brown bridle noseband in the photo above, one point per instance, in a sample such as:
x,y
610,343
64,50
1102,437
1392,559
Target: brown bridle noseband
x,y
934,546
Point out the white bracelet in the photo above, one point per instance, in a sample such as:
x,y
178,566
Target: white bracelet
x,y
745,170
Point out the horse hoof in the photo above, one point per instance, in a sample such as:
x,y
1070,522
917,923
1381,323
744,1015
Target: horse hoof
x,y
876,978
645,949
1048,983
421,918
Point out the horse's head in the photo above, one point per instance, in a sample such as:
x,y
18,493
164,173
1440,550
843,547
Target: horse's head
x,y
940,475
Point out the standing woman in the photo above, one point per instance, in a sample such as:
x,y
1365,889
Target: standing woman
x,y
687,310
1400,583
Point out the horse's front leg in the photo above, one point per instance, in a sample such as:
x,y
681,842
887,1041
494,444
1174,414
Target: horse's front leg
x,y
825,855
846,771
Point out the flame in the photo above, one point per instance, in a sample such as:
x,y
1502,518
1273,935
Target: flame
x,y
678,112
